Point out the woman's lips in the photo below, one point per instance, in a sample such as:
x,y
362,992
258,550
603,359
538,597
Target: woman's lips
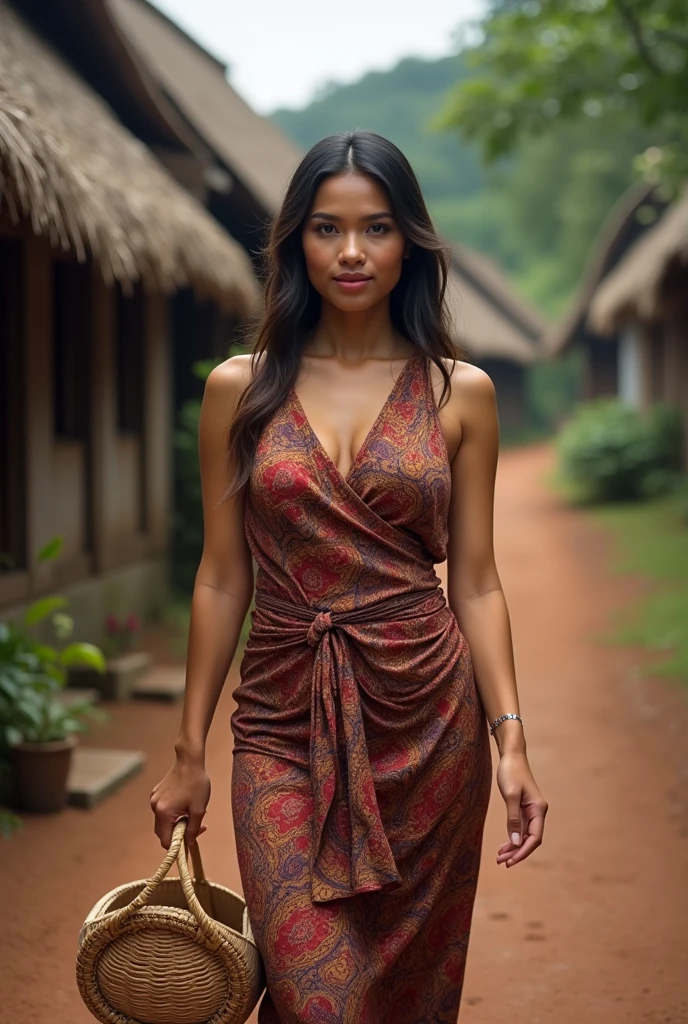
x,y
352,284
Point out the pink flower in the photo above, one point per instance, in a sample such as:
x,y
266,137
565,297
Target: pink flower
x,y
111,625
132,623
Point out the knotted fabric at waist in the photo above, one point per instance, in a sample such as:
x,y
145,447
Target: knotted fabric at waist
x,y
350,851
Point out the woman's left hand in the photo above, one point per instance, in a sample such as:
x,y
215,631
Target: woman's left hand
x,y
525,807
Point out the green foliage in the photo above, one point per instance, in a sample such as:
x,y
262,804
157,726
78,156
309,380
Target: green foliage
x,y
610,61
536,212
40,610
398,104
613,453
9,823
552,389
51,550
188,519
652,539
32,673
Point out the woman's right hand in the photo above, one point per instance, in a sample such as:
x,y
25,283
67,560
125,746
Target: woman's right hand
x,y
183,792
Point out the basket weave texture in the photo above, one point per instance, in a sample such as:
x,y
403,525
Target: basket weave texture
x,y
170,950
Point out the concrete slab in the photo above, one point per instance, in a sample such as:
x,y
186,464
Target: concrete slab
x,y
121,675
165,682
96,773
75,695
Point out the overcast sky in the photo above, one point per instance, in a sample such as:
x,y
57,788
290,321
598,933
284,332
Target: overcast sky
x,y
280,51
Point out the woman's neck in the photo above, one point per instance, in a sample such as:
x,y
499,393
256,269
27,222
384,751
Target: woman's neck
x,y
353,337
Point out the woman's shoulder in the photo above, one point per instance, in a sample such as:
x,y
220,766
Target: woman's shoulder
x,y
230,378
468,382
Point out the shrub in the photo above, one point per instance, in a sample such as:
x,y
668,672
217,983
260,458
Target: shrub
x,y
187,546
32,674
612,452
188,512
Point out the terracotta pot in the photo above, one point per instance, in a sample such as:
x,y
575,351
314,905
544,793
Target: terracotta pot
x,y
40,773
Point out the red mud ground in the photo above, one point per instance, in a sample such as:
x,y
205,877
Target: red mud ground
x,y
592,929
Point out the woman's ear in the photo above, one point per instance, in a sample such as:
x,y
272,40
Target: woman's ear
x,y
407,250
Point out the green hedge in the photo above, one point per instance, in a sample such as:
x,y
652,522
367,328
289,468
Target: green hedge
x,y
612,452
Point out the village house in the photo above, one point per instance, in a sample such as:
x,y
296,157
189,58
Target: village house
x,y
251,164
644,301
95,234
494,328
114,280
497,331
608,359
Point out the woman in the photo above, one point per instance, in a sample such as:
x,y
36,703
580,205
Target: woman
x,y
362,766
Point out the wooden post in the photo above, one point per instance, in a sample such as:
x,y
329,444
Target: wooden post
x,y
39,423
103,440
157,434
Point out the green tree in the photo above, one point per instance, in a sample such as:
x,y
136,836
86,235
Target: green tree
x,y
614,61
399,104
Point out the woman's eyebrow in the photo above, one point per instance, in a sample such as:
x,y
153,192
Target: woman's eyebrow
x,y
321,215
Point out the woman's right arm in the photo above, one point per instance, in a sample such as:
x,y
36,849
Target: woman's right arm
x,y
221,599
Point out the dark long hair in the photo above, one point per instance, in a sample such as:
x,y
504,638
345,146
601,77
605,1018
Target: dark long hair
x,y
292,305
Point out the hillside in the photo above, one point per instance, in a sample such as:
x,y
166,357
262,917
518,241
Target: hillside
x,y
398,104
537,215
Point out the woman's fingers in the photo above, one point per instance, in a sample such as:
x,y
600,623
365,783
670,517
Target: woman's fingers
x,y
194,826
514,821
510,853
164,827
530,843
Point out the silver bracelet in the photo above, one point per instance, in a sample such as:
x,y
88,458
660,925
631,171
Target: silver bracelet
x,y
498,721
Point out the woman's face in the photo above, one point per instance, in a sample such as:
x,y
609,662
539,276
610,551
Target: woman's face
x,y
352,243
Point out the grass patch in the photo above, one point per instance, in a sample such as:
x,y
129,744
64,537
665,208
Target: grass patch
x,y
651,539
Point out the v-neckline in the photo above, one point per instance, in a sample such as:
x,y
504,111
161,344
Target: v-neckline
x,y
371,433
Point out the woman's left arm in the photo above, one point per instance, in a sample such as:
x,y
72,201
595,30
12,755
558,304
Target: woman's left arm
x,y
476,597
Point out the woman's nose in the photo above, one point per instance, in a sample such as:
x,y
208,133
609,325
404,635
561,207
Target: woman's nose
x,y
351,250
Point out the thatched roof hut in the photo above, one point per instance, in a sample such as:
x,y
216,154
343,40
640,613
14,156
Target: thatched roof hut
x,y
254,148
627,221
491,321
643,281
70,167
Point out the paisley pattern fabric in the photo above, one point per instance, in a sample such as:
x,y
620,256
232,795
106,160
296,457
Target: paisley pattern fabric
x,y
362,766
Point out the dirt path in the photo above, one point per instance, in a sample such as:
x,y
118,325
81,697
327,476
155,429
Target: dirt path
x,y
591,930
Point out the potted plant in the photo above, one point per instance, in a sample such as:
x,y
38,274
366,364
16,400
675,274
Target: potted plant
x,y
124,666
37,729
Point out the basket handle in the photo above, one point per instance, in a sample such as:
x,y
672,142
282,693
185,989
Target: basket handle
x,y
176,852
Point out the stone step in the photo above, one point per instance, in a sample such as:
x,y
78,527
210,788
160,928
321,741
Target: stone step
x,y
121,675
76,695
96,773
164,682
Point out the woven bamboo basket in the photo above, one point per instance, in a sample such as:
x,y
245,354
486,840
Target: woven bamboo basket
x,y
170,950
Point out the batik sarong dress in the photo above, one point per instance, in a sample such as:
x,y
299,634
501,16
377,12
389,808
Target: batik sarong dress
x,y
362,769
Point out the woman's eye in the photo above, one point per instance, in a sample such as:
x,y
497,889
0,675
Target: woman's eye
x,y
330,229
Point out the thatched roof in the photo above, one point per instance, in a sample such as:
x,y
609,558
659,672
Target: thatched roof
x,y
618,232
635,287
491,321
251,146
69,166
